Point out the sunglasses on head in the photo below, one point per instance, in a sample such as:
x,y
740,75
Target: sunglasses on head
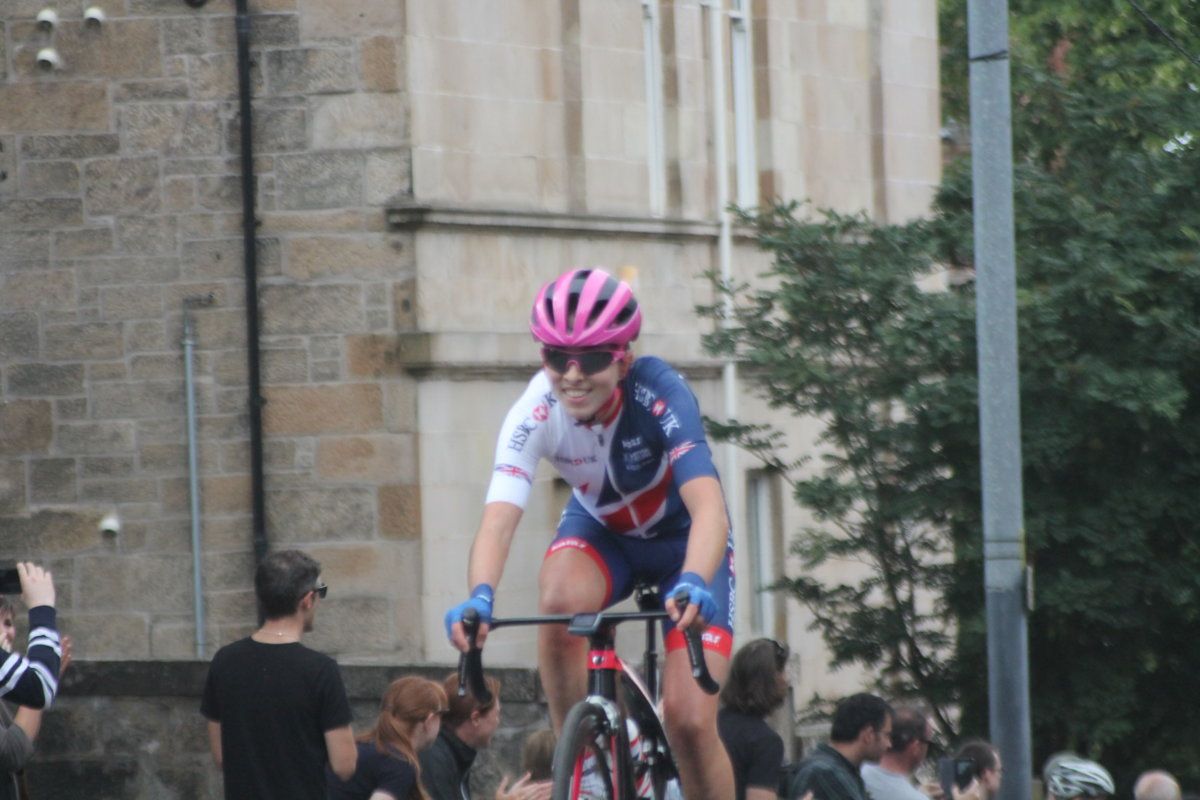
x,y
589,361
321,589
781,653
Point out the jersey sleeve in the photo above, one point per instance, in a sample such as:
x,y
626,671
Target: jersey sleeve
x,y
520,444
671,402
32,680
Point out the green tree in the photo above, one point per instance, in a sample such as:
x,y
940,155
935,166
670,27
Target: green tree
x,y
1108,228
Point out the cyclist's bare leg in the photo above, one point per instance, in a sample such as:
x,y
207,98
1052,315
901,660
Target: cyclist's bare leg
x,y
569,583
691,720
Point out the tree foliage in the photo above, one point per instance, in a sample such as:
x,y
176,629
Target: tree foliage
x,y
1107,198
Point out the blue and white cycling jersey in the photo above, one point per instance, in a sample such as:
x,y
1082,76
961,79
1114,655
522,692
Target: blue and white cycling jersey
x,y
626,468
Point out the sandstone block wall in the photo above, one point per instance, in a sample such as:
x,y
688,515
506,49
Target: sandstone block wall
x,y
421,167
120,198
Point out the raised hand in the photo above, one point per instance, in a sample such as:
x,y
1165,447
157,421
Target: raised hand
x,y
37,584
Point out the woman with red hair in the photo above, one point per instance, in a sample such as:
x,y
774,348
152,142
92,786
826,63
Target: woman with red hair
x,y
388,769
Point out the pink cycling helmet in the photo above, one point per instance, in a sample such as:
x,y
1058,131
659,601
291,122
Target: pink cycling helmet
x,y
585,308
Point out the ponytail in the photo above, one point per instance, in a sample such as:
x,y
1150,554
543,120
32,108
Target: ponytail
x,y
406,703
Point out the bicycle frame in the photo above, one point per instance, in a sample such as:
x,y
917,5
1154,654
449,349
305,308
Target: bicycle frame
x,y
606,673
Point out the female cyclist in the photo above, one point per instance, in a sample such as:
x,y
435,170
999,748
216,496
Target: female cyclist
x,y
647,504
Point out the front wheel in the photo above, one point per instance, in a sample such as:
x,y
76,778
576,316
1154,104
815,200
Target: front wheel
x,y
591,760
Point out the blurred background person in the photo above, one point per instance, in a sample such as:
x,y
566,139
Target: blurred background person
x,y
861,730
388,768
891,778
756,686
32,680
467,728
19,730
985,775
1067,776
537,754
1156,784
277,711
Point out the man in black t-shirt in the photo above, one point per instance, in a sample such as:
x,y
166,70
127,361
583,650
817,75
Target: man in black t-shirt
x,y
277,711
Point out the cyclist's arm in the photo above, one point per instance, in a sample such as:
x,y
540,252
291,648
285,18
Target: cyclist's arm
x,y
489,552
709,533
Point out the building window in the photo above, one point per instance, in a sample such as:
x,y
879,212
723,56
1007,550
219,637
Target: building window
x,y
656,161
763,562
742,63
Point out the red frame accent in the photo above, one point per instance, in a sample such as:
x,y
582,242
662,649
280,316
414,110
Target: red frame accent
x,y
603,659
714,638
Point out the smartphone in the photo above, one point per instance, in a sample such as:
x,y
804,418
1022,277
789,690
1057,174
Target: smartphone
x,y
955,772
964,772
10,581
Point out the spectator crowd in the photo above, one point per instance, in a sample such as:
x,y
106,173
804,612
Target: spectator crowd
x,y
279,723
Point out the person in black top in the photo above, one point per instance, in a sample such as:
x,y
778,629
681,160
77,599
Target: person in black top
x,y
757,685
277,711
468,728
388,769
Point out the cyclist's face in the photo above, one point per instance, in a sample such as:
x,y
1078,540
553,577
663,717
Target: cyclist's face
x,y
582,395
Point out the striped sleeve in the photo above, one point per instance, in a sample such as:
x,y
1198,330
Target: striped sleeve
x,y
32,680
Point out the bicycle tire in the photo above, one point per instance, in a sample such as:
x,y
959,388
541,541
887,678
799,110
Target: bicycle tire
x,y
586,734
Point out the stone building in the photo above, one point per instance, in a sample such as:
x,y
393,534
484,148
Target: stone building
x,y
419,167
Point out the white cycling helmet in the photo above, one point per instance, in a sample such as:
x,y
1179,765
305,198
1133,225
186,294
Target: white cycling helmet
x,y
1069,776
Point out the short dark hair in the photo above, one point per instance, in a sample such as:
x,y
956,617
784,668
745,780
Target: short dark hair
x,y
756,686
908,726
282,580
981,752
856,712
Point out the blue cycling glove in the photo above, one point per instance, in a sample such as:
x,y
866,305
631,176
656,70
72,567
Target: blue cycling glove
x,y
698,594
481,601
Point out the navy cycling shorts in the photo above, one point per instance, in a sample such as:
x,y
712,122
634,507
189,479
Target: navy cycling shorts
x,y
626,560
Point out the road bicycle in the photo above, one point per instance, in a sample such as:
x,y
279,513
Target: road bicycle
x,y
593,759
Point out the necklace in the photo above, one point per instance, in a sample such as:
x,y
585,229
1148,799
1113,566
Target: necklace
x,y
281,634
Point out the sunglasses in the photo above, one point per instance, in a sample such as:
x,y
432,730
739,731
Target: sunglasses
x,y
321,589
781,654
589,361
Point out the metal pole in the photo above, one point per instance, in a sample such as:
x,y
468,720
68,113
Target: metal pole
x,y
999,402
189,346
732,482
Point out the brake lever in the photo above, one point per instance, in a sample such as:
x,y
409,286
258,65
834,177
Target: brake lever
x,y
470,663
695,649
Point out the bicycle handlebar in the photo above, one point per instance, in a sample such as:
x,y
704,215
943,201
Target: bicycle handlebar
x,y
470,663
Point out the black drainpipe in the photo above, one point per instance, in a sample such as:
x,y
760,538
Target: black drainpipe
x,y
250,255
